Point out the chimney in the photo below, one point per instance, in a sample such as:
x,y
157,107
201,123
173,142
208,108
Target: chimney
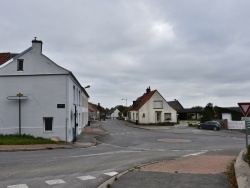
x,y
37,46
98,104
148,90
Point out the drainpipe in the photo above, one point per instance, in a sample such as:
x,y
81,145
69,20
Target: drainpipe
x,y
67,109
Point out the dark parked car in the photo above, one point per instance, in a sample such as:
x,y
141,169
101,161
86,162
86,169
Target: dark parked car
x,y
214,125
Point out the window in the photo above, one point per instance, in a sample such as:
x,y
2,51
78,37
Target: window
x,y
20,65
158,105
143,115
76,102
167,116
48,124
74,94
79,98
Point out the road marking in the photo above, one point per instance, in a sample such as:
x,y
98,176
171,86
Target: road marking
x,y
18,186
111,173
194,154
86,177
112,134
55,182
98,154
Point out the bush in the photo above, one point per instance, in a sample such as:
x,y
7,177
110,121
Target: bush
x,y
24,139
192,125
247,156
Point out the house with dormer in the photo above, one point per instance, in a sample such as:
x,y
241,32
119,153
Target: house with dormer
x,y
39,97
151,107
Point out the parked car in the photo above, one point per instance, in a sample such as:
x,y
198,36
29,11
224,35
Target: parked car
x,y
214,125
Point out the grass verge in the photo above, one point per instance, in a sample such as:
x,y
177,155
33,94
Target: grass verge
x,y
14,139
231,175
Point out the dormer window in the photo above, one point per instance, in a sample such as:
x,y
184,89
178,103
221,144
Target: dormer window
x,y
20,65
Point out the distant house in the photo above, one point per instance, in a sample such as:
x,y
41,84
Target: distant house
x,y
114,113
151,107
91,112
186,113
51,98
85,107
94,113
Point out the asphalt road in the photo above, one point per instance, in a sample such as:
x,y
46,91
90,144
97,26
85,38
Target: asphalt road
x,y
122,148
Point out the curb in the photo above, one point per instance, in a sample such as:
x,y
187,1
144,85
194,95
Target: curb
x,y
111,180
242,171
35,148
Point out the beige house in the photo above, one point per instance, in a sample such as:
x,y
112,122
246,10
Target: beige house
x,y
151,107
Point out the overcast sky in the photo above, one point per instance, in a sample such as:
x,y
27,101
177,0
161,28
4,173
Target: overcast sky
x,y
195,51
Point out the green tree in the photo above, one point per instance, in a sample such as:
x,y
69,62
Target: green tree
x,y
120,115
208,113
123,110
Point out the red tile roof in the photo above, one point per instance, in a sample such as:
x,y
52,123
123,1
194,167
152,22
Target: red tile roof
x,y
91,109
141,100
4,57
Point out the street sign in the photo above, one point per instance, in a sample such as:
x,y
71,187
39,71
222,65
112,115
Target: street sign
x,y
245,107
247,123
245,118
17,98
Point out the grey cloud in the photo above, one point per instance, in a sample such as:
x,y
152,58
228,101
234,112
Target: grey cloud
x,y
194,51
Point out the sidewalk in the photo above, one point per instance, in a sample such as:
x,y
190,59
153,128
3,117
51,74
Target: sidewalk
x,y
205,170
85,139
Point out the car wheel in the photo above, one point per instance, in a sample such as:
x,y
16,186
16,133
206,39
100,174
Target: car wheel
x,y
199,127
215,128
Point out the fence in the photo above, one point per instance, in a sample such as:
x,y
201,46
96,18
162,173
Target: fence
x,y
239,125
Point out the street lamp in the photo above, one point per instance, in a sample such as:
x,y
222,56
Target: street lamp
x,y
88,86
126,101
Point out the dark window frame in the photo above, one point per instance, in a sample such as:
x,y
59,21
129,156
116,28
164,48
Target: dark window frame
x,y
157,101
48,124
20,65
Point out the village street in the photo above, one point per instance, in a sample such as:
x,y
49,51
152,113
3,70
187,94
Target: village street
x,y
122,148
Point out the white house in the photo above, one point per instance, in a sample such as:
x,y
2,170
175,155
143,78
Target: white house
x,y
114,113
53,103
151,107
85,108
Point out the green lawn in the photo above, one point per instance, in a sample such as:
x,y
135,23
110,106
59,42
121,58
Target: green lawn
x,y
14,139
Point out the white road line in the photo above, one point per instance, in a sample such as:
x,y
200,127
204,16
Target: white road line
x,y
55,182
194,154
111,173
86,177
18,186
98,154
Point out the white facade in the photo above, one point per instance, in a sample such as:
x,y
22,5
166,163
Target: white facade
x,y
53,96
85,109
227,116
155,110
115,114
